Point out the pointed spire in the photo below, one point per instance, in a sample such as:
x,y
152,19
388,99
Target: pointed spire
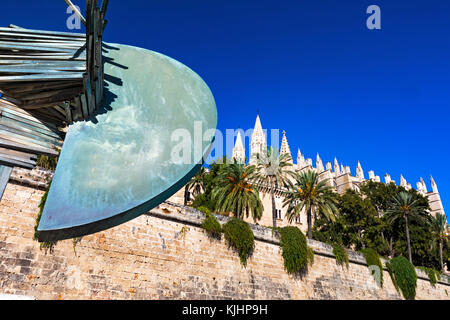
x,y
403,182
239,150
387,178
328,166
319,164
342,168
337,170
433,185
424,186
285,147
359,172
258,143
371,175
300,159
258,126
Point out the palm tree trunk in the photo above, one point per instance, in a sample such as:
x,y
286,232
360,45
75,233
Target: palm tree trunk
x,y
309,218
391,247
440,255
274,213
407,239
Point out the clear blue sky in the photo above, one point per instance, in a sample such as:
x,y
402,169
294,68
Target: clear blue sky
x,y
311,68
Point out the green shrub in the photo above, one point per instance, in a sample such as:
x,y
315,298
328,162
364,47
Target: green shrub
x,y
49,244
403,275
432,274
294,249
212,226
310,255
204,209
373,259
341,254
239,236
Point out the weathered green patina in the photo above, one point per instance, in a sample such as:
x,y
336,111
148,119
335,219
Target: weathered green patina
x,y
120,163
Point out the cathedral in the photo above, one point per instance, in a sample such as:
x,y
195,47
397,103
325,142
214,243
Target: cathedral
x,y
338,176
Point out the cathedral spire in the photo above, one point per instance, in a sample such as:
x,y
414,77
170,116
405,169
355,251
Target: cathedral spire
x,y
424,186
387,178
336,167
258,127
319,164
403,182
433,185
300,159
285,146
258,143
359,172
239,150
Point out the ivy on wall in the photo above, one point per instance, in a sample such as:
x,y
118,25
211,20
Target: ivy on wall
x,y
341,254
239,236
50,244
373,259
432,274
212,226
403,275
295,251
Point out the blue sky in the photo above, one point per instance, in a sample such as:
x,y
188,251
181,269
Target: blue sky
x,y
311,68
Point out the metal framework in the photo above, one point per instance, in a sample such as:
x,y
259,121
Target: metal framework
x,y
48,80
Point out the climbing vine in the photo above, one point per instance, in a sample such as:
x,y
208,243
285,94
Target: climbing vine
x,y
48,244
341,254
373,259
432,274
403,275
204,209
212,226
239,236
295,251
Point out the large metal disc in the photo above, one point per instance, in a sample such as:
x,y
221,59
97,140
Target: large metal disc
x,y
145,144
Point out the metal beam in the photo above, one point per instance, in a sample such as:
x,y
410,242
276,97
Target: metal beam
x,y
78,13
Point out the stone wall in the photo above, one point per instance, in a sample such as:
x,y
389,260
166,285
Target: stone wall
x,y
165,255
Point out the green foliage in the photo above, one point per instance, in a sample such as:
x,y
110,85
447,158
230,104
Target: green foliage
x,y
43,245
373,259
47,162
432,274
272,172
235,192
308,193
239,236
208,184
310,256
295,249
361,225
403,275
204,209
341,254
212,226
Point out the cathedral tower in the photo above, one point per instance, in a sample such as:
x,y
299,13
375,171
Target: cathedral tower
x,y
285,147
239,150
258,144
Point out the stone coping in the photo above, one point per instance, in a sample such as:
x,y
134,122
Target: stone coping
x,y
191,216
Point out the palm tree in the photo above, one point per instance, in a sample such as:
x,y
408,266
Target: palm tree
x,y
272,173
309,194
196,184
234,191
406,205
438,225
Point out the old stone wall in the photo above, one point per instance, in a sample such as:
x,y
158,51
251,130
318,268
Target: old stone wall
x,y
165,255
